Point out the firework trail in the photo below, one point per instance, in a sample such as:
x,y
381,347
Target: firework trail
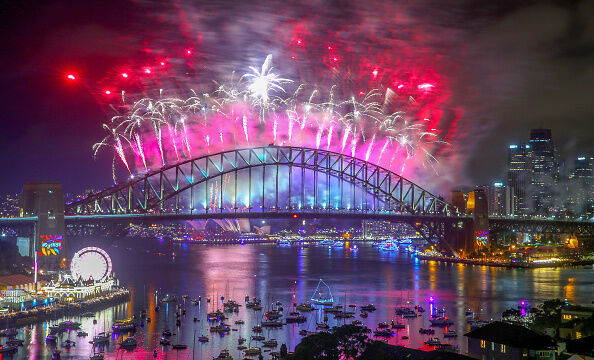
x,y
258,105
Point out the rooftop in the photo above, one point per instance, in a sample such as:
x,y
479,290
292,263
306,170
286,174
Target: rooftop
x,y
513,336
15,280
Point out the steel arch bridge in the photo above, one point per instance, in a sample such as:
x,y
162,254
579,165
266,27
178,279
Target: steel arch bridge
x,y
268,179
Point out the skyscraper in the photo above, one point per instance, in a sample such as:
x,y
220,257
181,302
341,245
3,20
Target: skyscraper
x,y
581,186
545,170
519,177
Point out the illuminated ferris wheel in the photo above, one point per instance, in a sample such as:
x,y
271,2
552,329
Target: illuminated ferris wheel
x,y
90,263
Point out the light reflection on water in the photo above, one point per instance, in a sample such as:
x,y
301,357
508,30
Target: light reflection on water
x,y
386,279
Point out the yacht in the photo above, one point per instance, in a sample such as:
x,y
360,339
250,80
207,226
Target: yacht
x,y
383,333
14,342
284,243
124,325
322,295
51,338
327,242
252,351
270,343
388,246
224,355
433,342
305,307
369,307
338,244
101,338
221,329
128,344
450,334
169,298
203,338
441,322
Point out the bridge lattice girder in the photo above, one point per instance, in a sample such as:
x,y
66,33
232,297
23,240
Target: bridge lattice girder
x,y
160,191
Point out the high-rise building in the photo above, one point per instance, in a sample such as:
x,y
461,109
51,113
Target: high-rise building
x,y
581,186
545,170
519,177
499,198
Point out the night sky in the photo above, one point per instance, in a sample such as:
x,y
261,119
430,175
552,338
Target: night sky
x,y
506,67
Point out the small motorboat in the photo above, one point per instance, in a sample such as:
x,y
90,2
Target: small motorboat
x,y
82,333
67,344
203,338
164,341
239,322
8,349
252,351
450,334
368,308
179,346
166,332
14,342
383,333
51,338
270,343
258,337
433,342
129,344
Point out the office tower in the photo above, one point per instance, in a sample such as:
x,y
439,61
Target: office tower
x,y
519,177
545,171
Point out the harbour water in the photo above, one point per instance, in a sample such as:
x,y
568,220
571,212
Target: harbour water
x,y
290,275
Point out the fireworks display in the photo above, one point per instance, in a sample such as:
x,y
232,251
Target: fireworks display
x,y
201,87
261,108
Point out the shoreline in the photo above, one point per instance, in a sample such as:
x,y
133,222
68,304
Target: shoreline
x,y
21,319
567,263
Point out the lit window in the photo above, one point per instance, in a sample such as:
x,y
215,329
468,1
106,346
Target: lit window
x,y
503,349
578,335
492,346
483,344
566,317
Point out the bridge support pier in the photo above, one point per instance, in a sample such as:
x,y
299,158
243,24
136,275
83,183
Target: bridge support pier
x,y
46,201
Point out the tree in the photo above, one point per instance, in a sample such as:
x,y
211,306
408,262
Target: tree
x,y
352,339
320,346
283,351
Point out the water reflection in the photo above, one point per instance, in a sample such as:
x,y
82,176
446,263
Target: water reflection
x,y
386,279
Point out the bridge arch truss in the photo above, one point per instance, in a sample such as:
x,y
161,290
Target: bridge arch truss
x,y
266,179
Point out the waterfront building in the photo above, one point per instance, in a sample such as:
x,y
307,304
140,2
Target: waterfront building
x,y
17,281
499,341
69,289
519,177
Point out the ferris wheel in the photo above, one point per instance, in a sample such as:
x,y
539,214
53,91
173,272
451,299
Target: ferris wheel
x,y
91,263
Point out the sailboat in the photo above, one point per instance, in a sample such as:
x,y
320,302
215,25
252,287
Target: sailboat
x,y
322,295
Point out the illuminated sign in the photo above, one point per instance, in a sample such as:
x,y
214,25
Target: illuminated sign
x,y
482,237
50,244
498,184
513,146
